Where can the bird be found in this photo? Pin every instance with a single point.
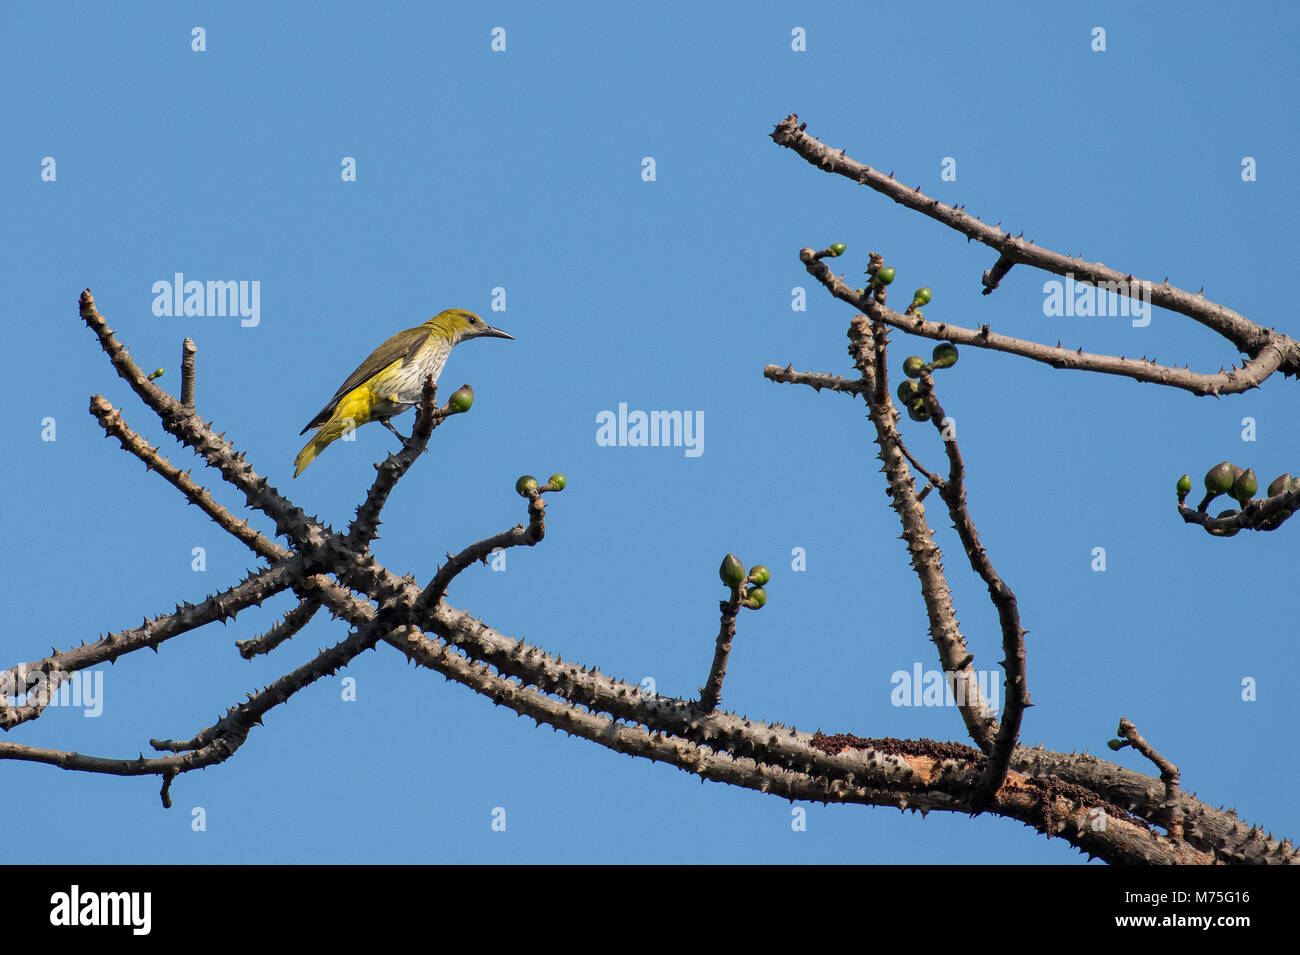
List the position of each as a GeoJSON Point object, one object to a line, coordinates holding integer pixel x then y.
{"type": "Point", "coordinates": [391, 379]}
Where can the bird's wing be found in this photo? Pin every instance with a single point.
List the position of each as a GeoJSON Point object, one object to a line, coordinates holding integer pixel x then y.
{"type": "Point", "coordinates": [397, 348]}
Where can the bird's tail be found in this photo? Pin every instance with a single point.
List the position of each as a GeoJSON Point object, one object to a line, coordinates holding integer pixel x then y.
{"type": "Point", "coordinates": [331, 431]}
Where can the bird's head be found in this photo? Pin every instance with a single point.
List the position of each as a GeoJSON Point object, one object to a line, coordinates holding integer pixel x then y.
{"type": "Point", "coordinates": [458, 325]}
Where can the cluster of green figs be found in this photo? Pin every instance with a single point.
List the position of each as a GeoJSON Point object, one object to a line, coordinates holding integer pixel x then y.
{"type": "Point", "coordinates": [1240, 484]}
{"type": "Point", "coordinates": [945, 353]}
{"type": "Point", "coordinates": [732, 573]}
{"type": "Point", "coordinates": [914, 366]}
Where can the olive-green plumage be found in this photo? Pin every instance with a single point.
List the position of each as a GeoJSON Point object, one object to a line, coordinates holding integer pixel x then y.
{"type": "Point", "coordinates": [391, 379]}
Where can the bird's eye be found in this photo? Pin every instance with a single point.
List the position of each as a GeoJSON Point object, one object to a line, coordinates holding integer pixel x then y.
{"type": "Point", "coordinates": [473, 320]}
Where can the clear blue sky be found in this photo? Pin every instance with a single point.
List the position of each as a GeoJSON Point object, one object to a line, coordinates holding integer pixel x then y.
{"type": "Point", "coordinates": [523, 170]}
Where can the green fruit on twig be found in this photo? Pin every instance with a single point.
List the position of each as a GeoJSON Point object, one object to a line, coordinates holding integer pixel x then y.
{"type": "Point", "coordinates": [1245, 486]}
{"type": "Point", "coordinates": [914, 366]}
{"type": "Point", "coordinates": [756, 598]}
{"type": "Point", "coordinates": [945, 355]}
{"type": "Point", "coordinates": [1218, 480]}
{"type": "Point", "coordinates": [921, 296]}
{"type": "Point", "coordinates": [157, 373]}
{"type": "Point", "coordinates": [1184, 486]}
{"type": "Point", "coordinates": [524, 483]}
{"type": "Point", "coordinates": [883, 276]}
{"type": "Point", "coordinates": [837, 249]}
{"type": "Point", "coordinates": [1116, 744]}
{"type": "Point", "coordinates": [558, 482]}
{"type": "Point", "coordinates": [916, 410]}
{"type": "Point", "coordinates": [760, 575]}
{"type": "Point", "coordinates": [461, 400]}
{"type": "Point", "coordinates": [908, 391]}
{"type": "Point", "coordinates": [732, 571]}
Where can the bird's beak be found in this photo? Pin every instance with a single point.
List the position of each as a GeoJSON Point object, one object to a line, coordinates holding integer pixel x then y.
{"type": "Point", "coordinates": [490, 332]}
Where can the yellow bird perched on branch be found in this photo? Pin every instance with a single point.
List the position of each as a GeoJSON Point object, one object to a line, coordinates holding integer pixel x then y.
{"type": "Point", "coordinates": [391, 379]}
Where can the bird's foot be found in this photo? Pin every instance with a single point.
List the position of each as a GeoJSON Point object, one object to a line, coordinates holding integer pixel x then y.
{"type": "Point", "coordinates": [406, 442]}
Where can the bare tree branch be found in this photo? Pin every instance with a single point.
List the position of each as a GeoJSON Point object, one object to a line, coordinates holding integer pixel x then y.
{"type": "Point", "coordinates": [1169, 775]}
{"type": "Point", "coordinates": [711, 692]}
{"type": "Point", "coordinates": [187, 372]}
{"type": "Point", "coordinates": [1093, 805]}
{"type": "Point", "coordinates": [866, 349]}
{"type": "Point", "coordinates": [1269, 350]}
{"type": "Point", "coordinates": [1236, 380]}
{"type": "Point", "coordinates": [953, 492]}
{"type": "Point", "coordinates": [814, 380]}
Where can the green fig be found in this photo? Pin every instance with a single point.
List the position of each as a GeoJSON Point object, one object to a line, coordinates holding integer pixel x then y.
{"type": "Point", "coordinates": [756, 598]}
{"type": "Point", "coordinates": [921, 296]}
{"type": "Point", "coordinates": [1184, 486]}
{"type": "Point", "coordinates": [945, 355]}
{"type": "Point", "coordinates": [837, 249]}
{"type": "Point", "coordinates": [558, 482]}
{"type": "Point", "coordinates": [914, 366]}
{"type": "Point", "coordinates": [916, 410]}
{"type": "Point", "coordinates": [883, 276]}
{"type": "Point", "coordinates": [908, 391]}
{"type": "Point", "coordinates": [1245, 486]}
{"type": "Point", "coordinates": [732, 571]}
{"type": "Point", "coordinates": [1218, 480]}
{"type": "Point", "coordinates": [461, 400]}
{"type": "Point", "coordinates": [760, 575]}
{"type": "Point", "coordinates": [524, 483]}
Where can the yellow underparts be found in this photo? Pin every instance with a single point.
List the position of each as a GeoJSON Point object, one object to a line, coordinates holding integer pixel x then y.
{"type": "Point", "coordinates": [359, 406]}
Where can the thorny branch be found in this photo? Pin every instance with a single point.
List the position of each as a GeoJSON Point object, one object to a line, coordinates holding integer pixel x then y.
{"type": "Point", "coordinates": [1268, 351]}
{"type": "Point", "coordinates": [336, 571]}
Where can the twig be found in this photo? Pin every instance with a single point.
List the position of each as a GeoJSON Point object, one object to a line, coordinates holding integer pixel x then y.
{"type": "Point", "coordinates": [517, 536]}
{"type": "Point", "coordinates": [428, 416]}
{"type": "Point", "coordinates": [184, 424]}
{"type": "Point", "coordinates": [995, 275]}
{"type": "Point", "coordinates": [187, 373]}
{"type": "Point", "coordinates": [953, 492]}
{"type": "Point", "coordinates": [1247, 336]}
{"type": "Point", "coordinates": [711, 692]}
{"type": "Point", "coordinates": [1169, 775]}
{"type": "Point", "coordinates": [815, 380]}
{"type": "Point", "coordinates": [926, 559]}
{"type": "Point", "coordinates": [1262, 513]}
{"type": "Point", "coordinates": [1254, 371]}
{"type": "Point", "coordinates": [286, 627]}
{"type": "Point", "coordinates": [110, 419]}
{"type": "Point", "coordinates": [54, 669]}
